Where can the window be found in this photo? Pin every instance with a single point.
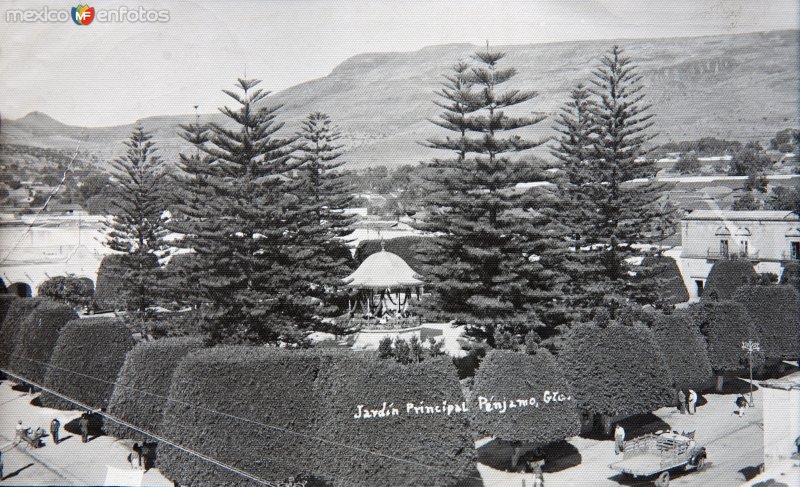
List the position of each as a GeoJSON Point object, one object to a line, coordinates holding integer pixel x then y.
{"type": "Point", "coordinates": [795, 250]}
{"type": "Point", "coordinates": [743, 251]}
{"type": "Point", "coordinates": [699, 284]}
{"type": "Point", "coordinates": [723, 248]}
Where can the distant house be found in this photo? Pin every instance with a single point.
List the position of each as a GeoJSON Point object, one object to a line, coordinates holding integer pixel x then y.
{"type": "Point", "coordinates": [768, 239]}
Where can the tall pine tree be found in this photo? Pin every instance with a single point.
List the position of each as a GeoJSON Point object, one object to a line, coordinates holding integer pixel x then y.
{"type": "Point", "coordinates": [613, 200]}
{"type": "Point", "coordinates": [238, 226]}
{"type": "Point", "coordinates": [483, 267]}
{"type": "Point", "coordinates": [317, 219]}
{"type": "Point", "coordinates": [137, 226]}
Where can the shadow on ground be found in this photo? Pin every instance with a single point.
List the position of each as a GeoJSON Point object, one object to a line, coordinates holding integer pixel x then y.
{"type": "Point", "coordinates": [625, 479]}
{"type": "Point", "coordinates": [95, 426]}
{"type": "Point", "coordinates": [16, 472]}
{"type": "Point", "coordinates": [750, 472]}
{"type": "Point", "coordinates": [557, 456]}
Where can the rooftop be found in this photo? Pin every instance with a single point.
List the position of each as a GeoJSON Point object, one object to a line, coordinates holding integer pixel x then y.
{"type": "Point", "coordinates": [730, 215]}
{"type": "Point", "coordinates": [383, 270]}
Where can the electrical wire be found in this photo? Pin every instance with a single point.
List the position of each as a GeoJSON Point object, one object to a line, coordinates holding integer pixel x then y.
{"type": "Point", "coordinates": [228, 415]}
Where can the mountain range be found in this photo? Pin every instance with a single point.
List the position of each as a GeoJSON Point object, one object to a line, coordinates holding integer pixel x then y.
{"type": "Point", "coordinates": [743, 87]}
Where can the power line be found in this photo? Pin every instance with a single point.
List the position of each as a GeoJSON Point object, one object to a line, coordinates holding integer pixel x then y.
{"type": "Point", "coordinates": [140, 430]}
{"type": "Point", "coordinates": [220, 413]}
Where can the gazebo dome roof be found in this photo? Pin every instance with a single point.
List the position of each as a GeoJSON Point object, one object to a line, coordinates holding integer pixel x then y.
{"type": "Point", "coordinates": [383, 270]}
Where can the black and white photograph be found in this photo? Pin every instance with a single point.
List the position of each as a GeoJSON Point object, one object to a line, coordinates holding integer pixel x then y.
{"type": "Point", "coordinates": [364, 243]}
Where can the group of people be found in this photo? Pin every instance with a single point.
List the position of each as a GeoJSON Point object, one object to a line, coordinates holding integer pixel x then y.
{"type": "Point", "coordinates": [687, 403]}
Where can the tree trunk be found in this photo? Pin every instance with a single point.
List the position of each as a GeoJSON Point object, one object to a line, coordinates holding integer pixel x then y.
{"type": "Point", "coordinates": [720, 381]}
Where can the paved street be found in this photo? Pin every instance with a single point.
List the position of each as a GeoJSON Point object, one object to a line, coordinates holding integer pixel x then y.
{"type": "Point", "coordinates": [101, 461]}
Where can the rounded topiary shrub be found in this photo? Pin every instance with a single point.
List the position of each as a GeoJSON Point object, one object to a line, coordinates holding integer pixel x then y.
{"type": "Point", "coordinates": [666, 275]}
{"type": "Point", "coordinates": [726, 324]}
{"type": "Point", "coordinates": [416, 437]}
{"type": "Point", "coordinates": [249, 407]}
{"type": "Point", "coordinates": [85, 362]}
{"type": "Point", "coordinates": [516, 377]}
{"type": "Point", "coordinates": [16, 311]}
{"type": "Point", "coordinates": [36, 337]}
{"type": "Point", "coordinates": [616, 370]}
{"type": "Point", "coordinates": [684, 350]}
{"type": "Point", "coordinates": [725, 277]}
{"type": "Point", "coordinates": [791, 274]}
{"type": "Point", "coordinates": [775, 313]}
{"type": "Point", "coordinates": [117, 285]}
{"type": "Point", "coordinates": [75, 291]}
{"type": "Point", "coordinates": [139, 396]}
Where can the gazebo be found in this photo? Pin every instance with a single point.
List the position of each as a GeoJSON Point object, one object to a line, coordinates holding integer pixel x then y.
{"type": "Point", "coordinates": [385, 283]}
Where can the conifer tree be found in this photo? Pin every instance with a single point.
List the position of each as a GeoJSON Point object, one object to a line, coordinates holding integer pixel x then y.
{"type": "Point", "coordinates": [613, 202]}
{"type": "Point", "coordinates": [317, 218]}
{"type": "Point", "coordinates": [484, 268]}
{"type": "Point", "coordinates": [237, 225]}
{"type": "Point", "coordinates": [137, 227]}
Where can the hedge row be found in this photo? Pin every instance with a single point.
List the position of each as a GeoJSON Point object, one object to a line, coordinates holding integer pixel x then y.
{"type": "Point", "coordinates": [684, 350]}
{"type": "Point", "coordinates": [143, 383]}
{"type": "Point", "coordinates": [278, 414]}
{"type": "Point", "coordinates": [220, 400]}
{"type": "Point", "coordinates": [85, 362]}
{"type": "Point", "coordinates": [775, 312]}
{"type": "Point", "coordinates": [15, 311]}
{"type": "Point", "coordinates": [726, 277]}
{"type": "Point", "coordinates": [616, 370]}
{"type": "Point", "coordinates": [406, 449]}
{"type": "Point", "coordinates": [512, 376]}
{"type": "Point", "coordinates": [665, 271]}
{"type": "Point", "coordinates": [114, 282]}
{"type": "Point", "coordinates": [725, 324]}
{"type": "Point", "coordinates": [36, 338]}
{"type": "Point", "coordinates": [791, 274]}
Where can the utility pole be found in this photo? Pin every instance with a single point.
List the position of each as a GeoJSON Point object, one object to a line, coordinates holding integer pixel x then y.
{"type": "Point", "coordinates": [750, 346]}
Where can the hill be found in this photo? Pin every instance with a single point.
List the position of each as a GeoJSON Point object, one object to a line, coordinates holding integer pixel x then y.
{"type": "Point", "coordinates": [742, 87]}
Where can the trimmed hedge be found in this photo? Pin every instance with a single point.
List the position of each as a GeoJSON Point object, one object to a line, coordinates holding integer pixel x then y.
{"type": "Point", "coordinates": [791, 274]}
{"type": "Point", "coordinates": [143, 384]}
{"type": "Point", "coordinates": [726, 277]}
{"type": "Point", "coordinates": [407, 248]}
{"type": "Point", "coordinates": [256, 386]}
{"type": "Point", "coordinates": [15, 311]}
{"type": "Point", "coordinates": [616, 370]}
{"type": "Point", "coordinates": [36, 338]}
{"type": "Point", "coordinates": [406, 449]}
{"type": "Point", "coordinates": [775, 312]}
{"type": "Point", "coordinates": [85, 362]}
{"type": "Point", "coordinates": [725, 324]}
{"type": "Point", "coordinates": [75, 291]}
{"type": "Point", "coordinates": [666, 273]}
{"type": "Point", "coordinates": [684, 350]}
{"type": "Point", "coordinates": [114, 289]}
{"type": "Point", "coordinates": [514, 375]}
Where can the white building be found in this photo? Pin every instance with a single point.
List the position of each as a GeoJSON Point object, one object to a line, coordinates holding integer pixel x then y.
{"type": "Point", "coordinates": [767, 238]}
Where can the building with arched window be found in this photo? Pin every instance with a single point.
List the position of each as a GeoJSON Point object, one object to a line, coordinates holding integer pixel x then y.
{"type": "Point", "coordinates": [768, 239]}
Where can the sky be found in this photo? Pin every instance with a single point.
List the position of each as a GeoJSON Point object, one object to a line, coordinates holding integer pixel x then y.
{"type": "Point", "coordinates": [109, 73]}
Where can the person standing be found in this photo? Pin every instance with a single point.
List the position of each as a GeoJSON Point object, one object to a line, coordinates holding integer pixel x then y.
{"type": "Point", "coordinates": [84, 427]}
{"type": "Point", "coordinates": [692, 401]}
{"type": "Point", "coordinates": [137, 450]}
{"type": "Point", "coordinates": [19, 429]}
{"type": "Point", "coordinates": [741, 402]}
{"type": "Point", "coordinates": [619, 440]}
{"type": "Point", "coordinates": [1, 465]}
{"type": "Point", "coordinates": [682, 401]}
{"type": "Point", "coordinates": [55, 425]}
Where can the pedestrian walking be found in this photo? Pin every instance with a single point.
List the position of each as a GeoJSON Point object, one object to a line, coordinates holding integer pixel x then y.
{"type": "Point", "coordinates": [19, 429]}
{"type": "Point", "coordinates": [682, 401]}
{"type": "Point", "coordinates": [84, 428]}
{"type": "Point", "coordinates": [137, 450]}
{"type": "Point", "coordinates": [692, 401]}
{"type": "Point", "coordinates": [619, 440]}
{"type": "Point", "coordinates": [55, 425]}
{"type": "Point", "coordinates": [130, 458]}
{"type": "Point", "coordinates": [538, 475]}
{"type": "Point", "coordinates": [741, 403]}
